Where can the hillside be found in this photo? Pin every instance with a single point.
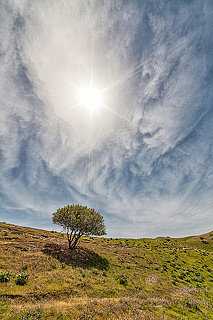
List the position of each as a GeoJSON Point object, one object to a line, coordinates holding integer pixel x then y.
{"type": "Point", "coordinates": [162, 278]}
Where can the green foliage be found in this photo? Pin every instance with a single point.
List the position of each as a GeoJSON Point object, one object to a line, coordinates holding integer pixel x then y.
{"type": "Point", "coordinates": [123, 279]}
{"type": "Point", "coordinates": [77, 221]}
{"type": "Point", "coordinates": [75, 290]}
{"type": "Point", "coordinates": [25, 266]}
{"type": "Point", "coordinates": [94, 271]}
{"type": "Point", "coordinates": [22, 278]}
{"type": "Point", "coordinates": [5, 276]}
{"type": "Point", "coordinates": [53, 265]}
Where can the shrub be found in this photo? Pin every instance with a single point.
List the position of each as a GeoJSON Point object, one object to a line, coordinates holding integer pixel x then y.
{"type": "Point", "coordinates": [22, 278]}
{"type": "Point", "coordinates": [182, 275]}
{"type": "Point", "coordinates": [53, 265]}
{"type": "Point", "coordinates": [205, 241]}
{"type": "Point", "coordinates": [95, 271]}
{"type": "Point", "coordinates": [5, 276]}
{"type": "Point", "coordinates": [25, 266]}
{"type": "Point", "coordinates": [200, 279]}
{"type": "Point", "coordinates": [164, 266]}
{"type": "Point", "coordinates": [123, 279]}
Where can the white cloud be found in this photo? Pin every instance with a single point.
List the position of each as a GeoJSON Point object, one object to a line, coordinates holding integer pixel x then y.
{"type": "Point", "coordinates": [148, 164]}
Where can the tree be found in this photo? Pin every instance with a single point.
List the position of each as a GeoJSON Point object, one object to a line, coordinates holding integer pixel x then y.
{"type": "Point", "coordinates": [77, 221]}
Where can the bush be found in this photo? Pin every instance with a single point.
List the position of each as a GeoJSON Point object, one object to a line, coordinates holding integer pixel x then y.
{"type": "Point", "coordinates": [25, 266]}
{"type": "Point", "coordinates": [182, 276]}
{"type": "Point", "coordinates": [22, 278]}
{"type": "Point", "coordinates": [94, 271]}
{"type": "Point", "coordinates": [123, 279]}
{"type": "Point", "coordinates": [53, 265]}
{"type": "Point", "coordinates": [205, 241]}
{"type": "Point", "coordinates": [164, 266]}
{"type": "Point", "coordinates": [5, 276]}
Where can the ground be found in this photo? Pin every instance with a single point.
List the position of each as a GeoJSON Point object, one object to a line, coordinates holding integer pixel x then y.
{"type": "Point", "coordinates": [160, 278]}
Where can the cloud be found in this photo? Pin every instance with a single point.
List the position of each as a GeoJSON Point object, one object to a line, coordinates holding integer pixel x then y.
{"type": "Point", "coordinates": [144, 161]}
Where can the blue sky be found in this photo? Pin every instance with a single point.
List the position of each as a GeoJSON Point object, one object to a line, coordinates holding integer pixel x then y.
{"type": "Point", "coordinates": [144, 157]}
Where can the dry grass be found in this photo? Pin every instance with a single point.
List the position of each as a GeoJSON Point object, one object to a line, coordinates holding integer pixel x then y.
{"type": "Point", "coordinates": [159, 278]}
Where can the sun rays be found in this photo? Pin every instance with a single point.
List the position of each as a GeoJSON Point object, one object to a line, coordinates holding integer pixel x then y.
{"type": "Point", "coordinates": [92, 99]}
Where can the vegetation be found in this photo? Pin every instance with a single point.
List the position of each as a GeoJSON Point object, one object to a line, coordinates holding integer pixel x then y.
{"type": "Point", "coordinates": [77, 221]}
{"type": "Point", "coordinates": [102, 278]}
{"type": "Point", "coordinates": [22, 278]}
{"type": "Point", "coordinates": [5, 276]}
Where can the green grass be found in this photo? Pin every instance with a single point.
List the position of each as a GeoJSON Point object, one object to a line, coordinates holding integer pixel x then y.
{"type": "Point", "coordinates": [160, 278]}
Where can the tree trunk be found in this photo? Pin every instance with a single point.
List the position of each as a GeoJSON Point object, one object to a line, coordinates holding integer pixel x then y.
{"type": "Point", "coordinates": [75, 241]}
{"type": "Point", "coordinates": [69, 240]}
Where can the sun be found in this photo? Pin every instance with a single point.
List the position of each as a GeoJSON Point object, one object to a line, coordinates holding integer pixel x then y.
{"type": "Point", "coordinates": [90, 97]}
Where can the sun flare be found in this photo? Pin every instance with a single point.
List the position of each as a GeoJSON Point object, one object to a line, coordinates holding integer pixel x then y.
{"type": "Point", "coordinates": [90, 97]}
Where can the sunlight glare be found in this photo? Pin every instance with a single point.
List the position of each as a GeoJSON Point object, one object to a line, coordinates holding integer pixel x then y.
{"type": "Point", "coordinates": [90, 97]}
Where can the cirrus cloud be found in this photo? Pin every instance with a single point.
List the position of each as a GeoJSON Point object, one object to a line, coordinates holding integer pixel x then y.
{"type": "Point", "coordinates": [144, 159]}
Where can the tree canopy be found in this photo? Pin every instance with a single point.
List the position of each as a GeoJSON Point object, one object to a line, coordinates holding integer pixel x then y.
{"type": "Point", "coordinates": [77, 221]}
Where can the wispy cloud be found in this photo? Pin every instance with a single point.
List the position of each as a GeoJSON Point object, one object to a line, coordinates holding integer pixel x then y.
{"type": "Point", "coordinates": [144, 159]}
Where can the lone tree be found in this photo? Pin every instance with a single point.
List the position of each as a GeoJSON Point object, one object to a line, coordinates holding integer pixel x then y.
{"type": "Point", "coordinates": [77, 221]}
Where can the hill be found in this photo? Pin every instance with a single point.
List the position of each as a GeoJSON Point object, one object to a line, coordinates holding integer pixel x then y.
{"type": "Point", "coordinates": [162, 278]}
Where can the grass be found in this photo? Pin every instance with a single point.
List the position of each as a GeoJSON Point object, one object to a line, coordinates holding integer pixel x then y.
{"type": "Point", "coordinates": [160, 278]}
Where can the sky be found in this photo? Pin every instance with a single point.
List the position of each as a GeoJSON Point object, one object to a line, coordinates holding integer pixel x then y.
{"type": "Point", "coordinates": [143, 158]}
